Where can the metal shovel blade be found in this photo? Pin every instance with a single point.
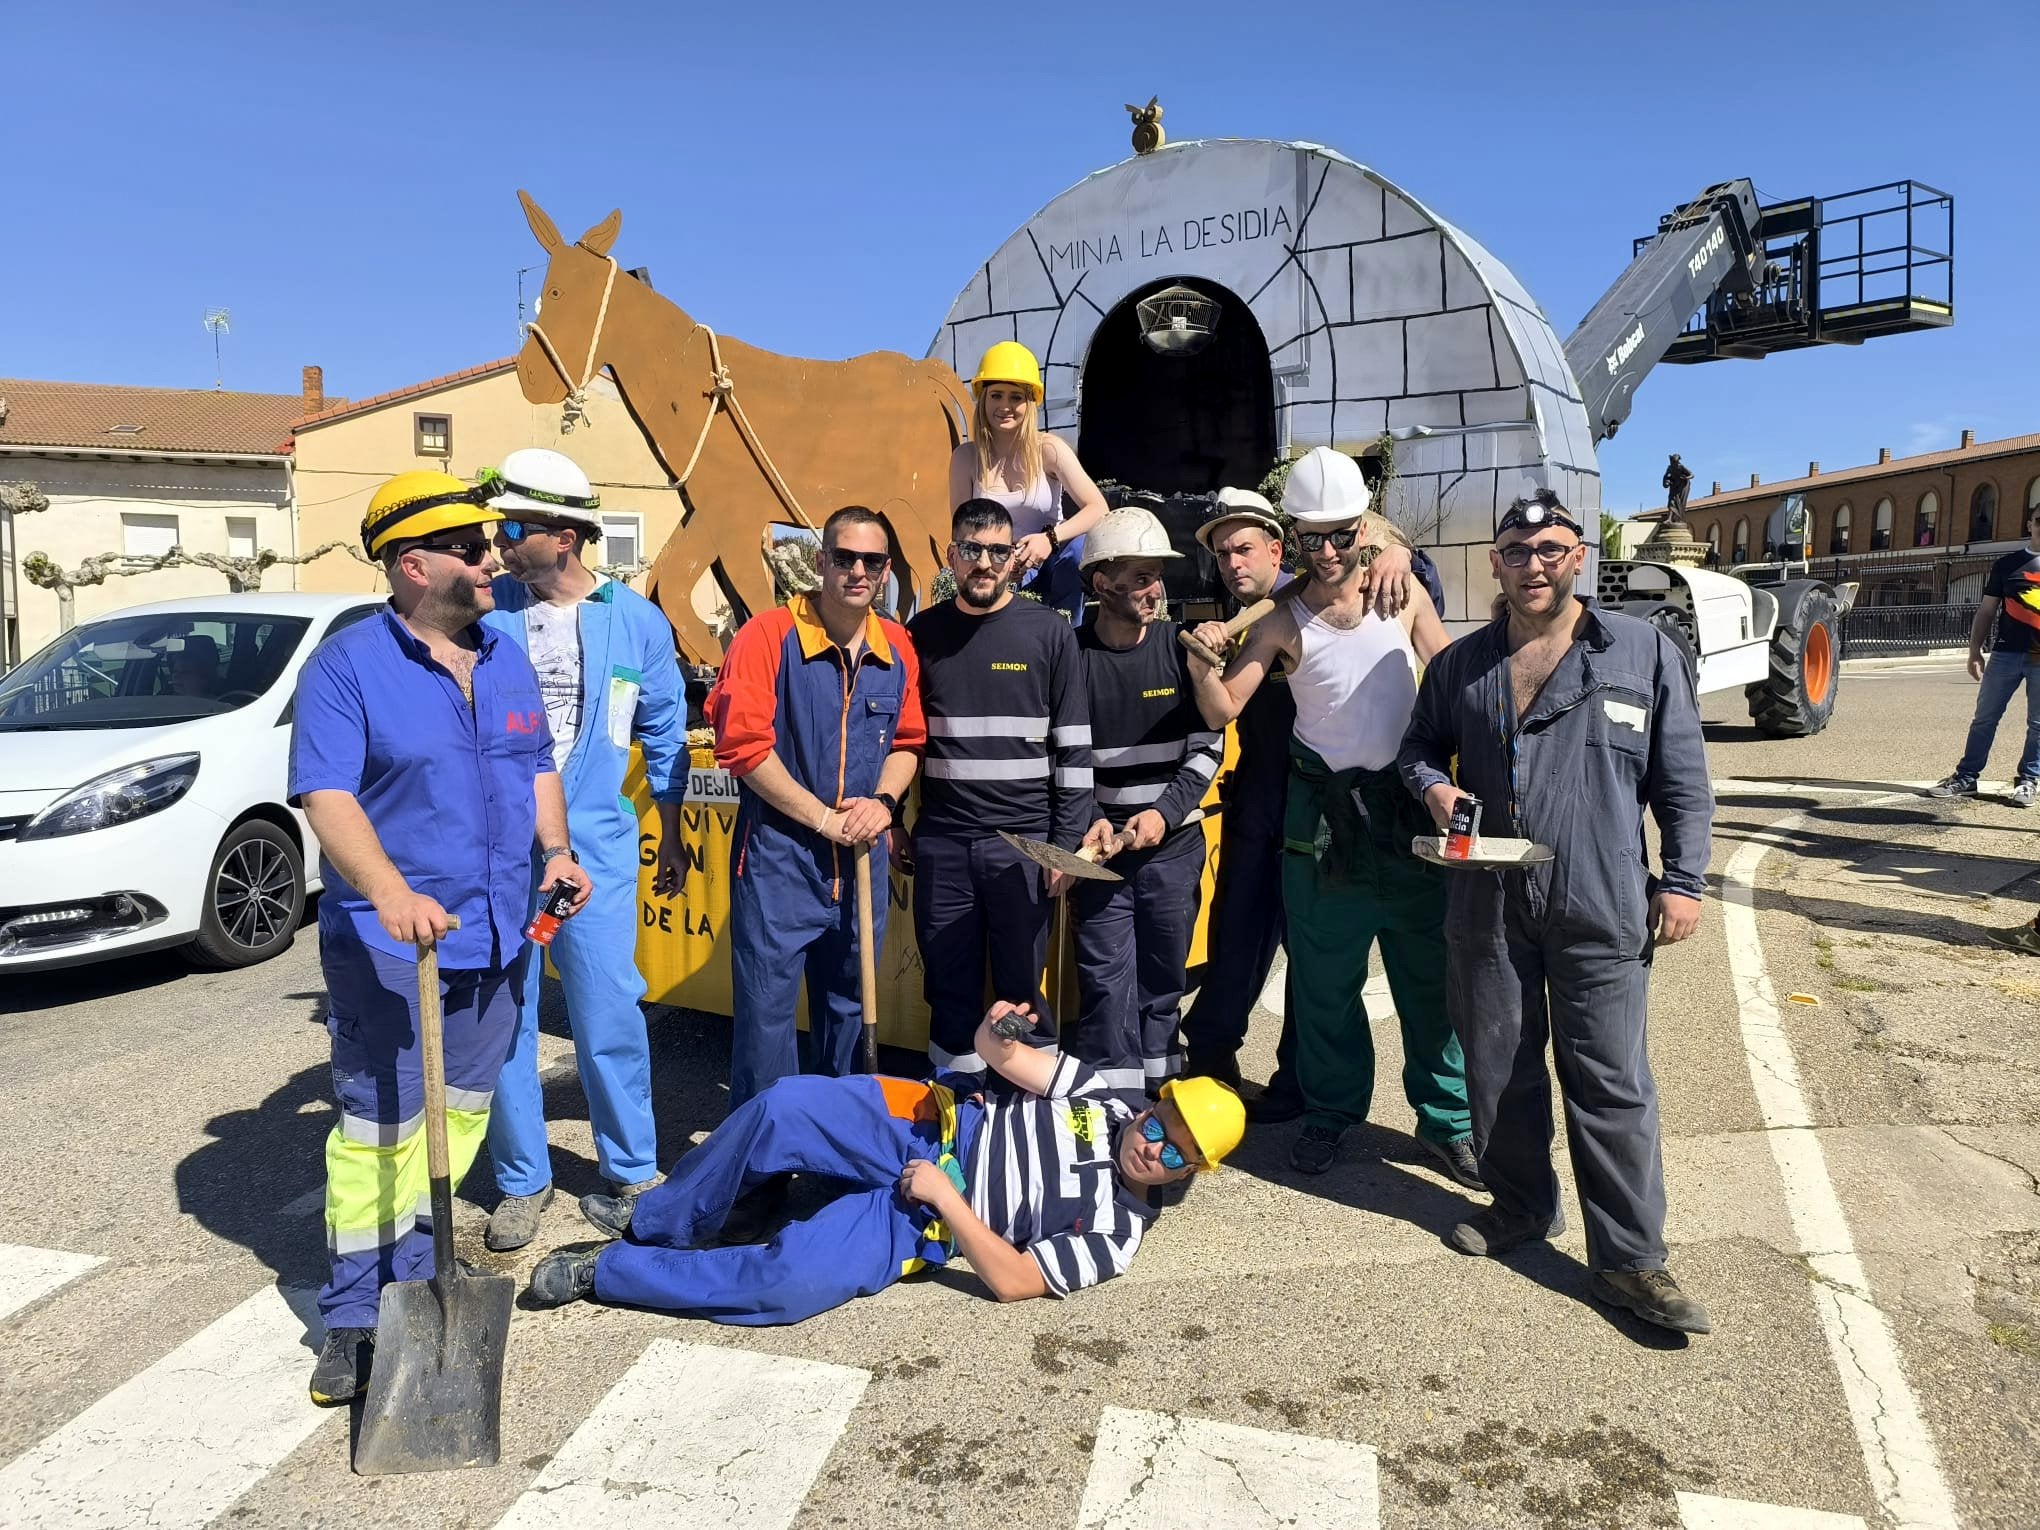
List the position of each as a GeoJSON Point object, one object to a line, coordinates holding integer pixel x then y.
{"type": "Point", "coordinates": [435, 1397]}
{"type": "Point", "coordinates": [1051, 858]}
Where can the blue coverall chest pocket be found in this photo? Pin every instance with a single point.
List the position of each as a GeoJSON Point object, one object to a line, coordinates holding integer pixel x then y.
{"type": "Point", "coordinates": [1619, 718]}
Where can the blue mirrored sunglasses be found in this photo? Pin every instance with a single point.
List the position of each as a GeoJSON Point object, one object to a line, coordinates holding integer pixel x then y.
{"type": "Point", "coordinates": [1154, 1131]}
{"type": "Point", "coordinates": [514, 532]}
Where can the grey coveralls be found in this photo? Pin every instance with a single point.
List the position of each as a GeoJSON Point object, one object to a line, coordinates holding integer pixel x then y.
{"type": "Point", "coordinates": [1562, 948]}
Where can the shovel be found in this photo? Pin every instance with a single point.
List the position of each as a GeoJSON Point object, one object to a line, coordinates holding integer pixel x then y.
{"type": "Point", "coordinates": [435, 1397]}
{"type": "Point", "coordinates": [867, 960]}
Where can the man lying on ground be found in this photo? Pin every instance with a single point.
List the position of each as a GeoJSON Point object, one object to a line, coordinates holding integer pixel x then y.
{"type": "Point", "coordinates": [1042, 1187]}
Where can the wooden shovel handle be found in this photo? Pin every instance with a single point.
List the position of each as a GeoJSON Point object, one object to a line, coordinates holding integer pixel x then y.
{"type": "Point", "coordinates": [432, 1062]}
{"type": "Point", "coordinates": [867, 960]}
{"type": "Point", "coordinates": [1233, 629]}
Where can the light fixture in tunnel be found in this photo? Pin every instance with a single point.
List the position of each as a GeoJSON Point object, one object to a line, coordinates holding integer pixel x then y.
{"type": "Point", "coordinates": [1177, 321]}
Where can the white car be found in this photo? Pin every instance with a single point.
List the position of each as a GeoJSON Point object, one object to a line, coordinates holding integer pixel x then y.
{"type": "Point", "coordinates": [143, 759]}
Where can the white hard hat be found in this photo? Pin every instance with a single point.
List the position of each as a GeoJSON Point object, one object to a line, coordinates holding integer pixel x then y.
{"type": "Point", "coordinates": [545, 483]}
{"type": "Point", "coordinates": [1235, 506]}
{"type": "Point", "coordinates": [1325, 488]}
{"type": "Point", "coordinates": [1129, 533]}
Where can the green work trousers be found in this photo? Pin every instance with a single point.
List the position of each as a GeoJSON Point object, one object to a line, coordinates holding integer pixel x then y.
{"type": "Point", "coordinates": [1348, 880]}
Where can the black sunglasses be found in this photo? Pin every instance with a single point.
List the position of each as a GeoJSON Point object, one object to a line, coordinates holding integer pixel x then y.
{"type": "Point", "coordinates": [999, 552]}
{"type": "Point", "coordinates": [1314, 541]}
{"type": "Point", "coordinates": [470, 553]}
{"type": "Point", "coordinates": [845, 561]}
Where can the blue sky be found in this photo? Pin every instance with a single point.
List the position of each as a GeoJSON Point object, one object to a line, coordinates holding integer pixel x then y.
{"type": "Point", "coordinates": [818, 181]}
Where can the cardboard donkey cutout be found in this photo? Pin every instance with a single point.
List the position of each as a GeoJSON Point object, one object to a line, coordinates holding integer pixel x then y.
{"type": "Point", "coordinates": [751, 438]}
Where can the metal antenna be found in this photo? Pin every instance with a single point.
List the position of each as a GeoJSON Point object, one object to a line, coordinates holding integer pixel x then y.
{"type": "Point", "coordinates": [522, 272]}
{"type": "Point", "coordinates": [216, 320]}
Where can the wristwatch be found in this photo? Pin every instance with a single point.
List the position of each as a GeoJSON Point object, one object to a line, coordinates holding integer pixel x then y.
{"type": "Point", "coordinates": [556, 851]}
{"type": "Point", "coordinates": [892, 803]}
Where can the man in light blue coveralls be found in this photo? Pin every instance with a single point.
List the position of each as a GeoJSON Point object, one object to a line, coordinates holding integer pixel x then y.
{"type": "Point", "coordinates": [606, 669]}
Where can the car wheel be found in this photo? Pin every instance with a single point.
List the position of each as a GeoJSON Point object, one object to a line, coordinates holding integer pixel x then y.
{"type": "Point", "coordinates": [254, 898]}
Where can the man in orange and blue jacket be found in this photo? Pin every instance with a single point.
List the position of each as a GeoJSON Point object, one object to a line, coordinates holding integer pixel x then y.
{"type": "Point", "coordinates": [817, 712]}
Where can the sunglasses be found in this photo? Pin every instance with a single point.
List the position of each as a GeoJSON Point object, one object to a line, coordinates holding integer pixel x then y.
{"type": "Point", "coordinates": [514, 532]}
{"type": "Point", "coordinates": [1000, 553]}
{"type": "Point", "coordinates": [843, 561]}
{"type": "Point", "coordinates": [470, 553]}
{"type": "Point", "coordinates": [1314, 541]}
{"type": "Point", "coordinates": [1550, 554]}
{"type": "Point", "coordinates": [1172, 1156]}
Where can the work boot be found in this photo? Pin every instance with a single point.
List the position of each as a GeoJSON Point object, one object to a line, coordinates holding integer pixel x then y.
{"type": "Point", "coordinates": [1281, 1101]}
{"type": "Point", "coordinates": [514, 1222]}
{"type": "Point", "coordinates": [1653, 1296]}
{"type": "Point", "coordinates": [2020, 937]}
{"type": "Point", "coordinates": [1222, 1066]}
{"type": "Point", "coordinates": [1955, 785]}
{"type": "Point", "coordinates": [1458, 1159]}
{"type": "Point", "coordinates": [1491, 1232]}
{"type": "Point", "coordinates": [2024, 791]}
{"type": "Point", "coordinates": [566, 1276]}
{"type": "Point", "coordinates": [610, 1213]}
{"type": "Point", "coordinates": [343, 1365]}
{"type": "Point", "coordinates": [754, 1218]}
{"type": "Point", "coordinates": [1316, 1148]}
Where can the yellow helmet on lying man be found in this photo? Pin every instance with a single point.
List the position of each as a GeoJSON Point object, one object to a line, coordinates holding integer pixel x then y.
{"type": "Point", "coordinates": [1213, 1113]}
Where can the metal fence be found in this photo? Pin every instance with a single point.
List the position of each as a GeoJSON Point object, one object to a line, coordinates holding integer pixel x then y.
{"type": "Point", "coordinates": [1871, 631]}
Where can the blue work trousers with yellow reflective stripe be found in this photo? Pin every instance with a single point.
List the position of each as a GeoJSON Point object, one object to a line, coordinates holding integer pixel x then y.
{"type": "Point", "coordinates": [862, 1129]}
{"type": "Point", "coordinates": [378, 1198]}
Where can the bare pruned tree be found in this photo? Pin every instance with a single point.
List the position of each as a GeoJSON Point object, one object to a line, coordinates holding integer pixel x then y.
{"type": "Point", "coordinates": [243, 574]}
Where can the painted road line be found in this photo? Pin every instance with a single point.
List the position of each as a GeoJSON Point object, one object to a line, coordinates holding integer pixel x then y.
{"type": "Point", "coordinates": [696, 1437]}
{"type": "Point", "coordinates": [1697, 1511]}
{"type": "Point", "coordinates": [1154, 1471]}
{"type": "Point", "coordinates": [1898, 1451]}
{"type": "Point", "coordinates": [1736, 786]}
{"type": "Point", "coordinates": [175, 1445]}
{"type": "Point", "coordinates": [29, 1274]}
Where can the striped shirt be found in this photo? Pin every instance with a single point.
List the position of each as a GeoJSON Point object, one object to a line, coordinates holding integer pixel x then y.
{"type": "Point", "coordinates": [1042, 1177]}
{"type": "Point", "coordinates": [1009, 729]}
{"type": "Point", "coordinates": [1149, 746]}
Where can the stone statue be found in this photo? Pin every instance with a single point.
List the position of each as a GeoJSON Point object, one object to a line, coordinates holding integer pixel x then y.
{"type": "Point", "coordinates": [1678, 479]}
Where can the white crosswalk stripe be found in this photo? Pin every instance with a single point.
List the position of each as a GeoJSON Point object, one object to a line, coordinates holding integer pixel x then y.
{"type": "Point", "coordinates": [696, 1437]}
{"type": "Point", "coordinates": [1697, 1511]}
{"type": "Point", "coordinates": [175, 1445]}
{"type": "Point", "coordinates": [1155, 1471]}
{"type": "Point", "coordinates": [27, 1275]}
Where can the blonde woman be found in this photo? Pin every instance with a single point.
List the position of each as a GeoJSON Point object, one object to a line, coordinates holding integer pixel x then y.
{"type": "Point", "coordinates": [1009, 458]}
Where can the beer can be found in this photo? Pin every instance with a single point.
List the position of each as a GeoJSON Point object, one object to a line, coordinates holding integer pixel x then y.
{"type": "Point", "coordinates": [1462, 829]}
{"type": "Point", "coordinates": [545, 924]}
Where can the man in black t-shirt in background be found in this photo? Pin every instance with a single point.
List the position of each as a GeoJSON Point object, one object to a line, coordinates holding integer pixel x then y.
{"type": "Point", "coordinates": [2011, 600]}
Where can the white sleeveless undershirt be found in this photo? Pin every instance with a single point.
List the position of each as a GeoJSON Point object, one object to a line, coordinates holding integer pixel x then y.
{"type": "Point", "coordinates": [1354, 690]}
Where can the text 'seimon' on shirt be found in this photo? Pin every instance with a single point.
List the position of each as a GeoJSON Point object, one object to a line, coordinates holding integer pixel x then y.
{"type": "Point", "coordinates": [1042, 1178]}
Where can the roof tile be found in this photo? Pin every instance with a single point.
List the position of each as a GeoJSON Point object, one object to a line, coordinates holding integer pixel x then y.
{"type": "Point", "coordinates": [72, 415]}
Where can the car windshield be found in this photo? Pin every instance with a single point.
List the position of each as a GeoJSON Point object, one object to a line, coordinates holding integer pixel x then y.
{"type": "Point", "coordinates": [144, 671]}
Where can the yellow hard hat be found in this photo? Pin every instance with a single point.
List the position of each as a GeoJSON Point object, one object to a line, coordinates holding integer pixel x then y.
{"type": "Point", "coordinates": [420, 503]}
{"type": "Point", "coordinates": [1214, 1114]}
{"type": "Point", "coordinates": [1009, 362]}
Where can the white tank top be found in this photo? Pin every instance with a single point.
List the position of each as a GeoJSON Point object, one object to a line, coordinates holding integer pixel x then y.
{"type": "Point", "coordinates": [1354, 690]}
{"type": "Point", "coordinates": [1034, 508]}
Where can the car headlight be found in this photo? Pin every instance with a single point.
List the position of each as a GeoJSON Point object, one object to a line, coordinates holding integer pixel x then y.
{"type": "Point", "coordinates": [119, 796]}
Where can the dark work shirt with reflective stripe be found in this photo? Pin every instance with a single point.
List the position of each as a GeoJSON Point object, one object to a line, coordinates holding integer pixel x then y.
{"type": "Point", "coordinates": [1150, 748]}
{"type": "Point", "coordinates": [1042, 1177]}
{"type": "Point", "coordinates": [447, 787]}
{"type": "Point", "coordinates": [1009, 727]}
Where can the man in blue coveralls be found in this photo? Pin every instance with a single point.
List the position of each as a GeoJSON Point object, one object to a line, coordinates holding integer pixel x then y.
{"type": "Point", "coordinates": [1043, 1187]}
{"type": "Point", "coordinates": [420, 753]}
{"type": "Point", "coordinates": [606, 671]}
{"type": "Point", "coordinates": [1566, 721]}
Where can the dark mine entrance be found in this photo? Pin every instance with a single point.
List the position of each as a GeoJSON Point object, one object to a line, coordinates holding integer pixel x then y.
{"type": "Point", "coordinates": [1179, 424]}
{"type": "Point", "coordinates": [1170, 430]}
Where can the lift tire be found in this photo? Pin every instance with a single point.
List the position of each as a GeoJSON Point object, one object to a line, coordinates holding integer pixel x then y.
{"type": "Point", "coordinates": [1799, 697]}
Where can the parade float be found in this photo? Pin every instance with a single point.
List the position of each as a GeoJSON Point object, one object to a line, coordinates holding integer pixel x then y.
{"type": "Point", "coordinates": [1204, 312]}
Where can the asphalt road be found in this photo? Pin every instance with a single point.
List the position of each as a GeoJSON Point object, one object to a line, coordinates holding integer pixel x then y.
{"type": "Point", "coordinates": [1852, 1186]}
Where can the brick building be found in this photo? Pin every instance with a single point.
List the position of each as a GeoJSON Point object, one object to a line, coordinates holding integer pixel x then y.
{"type": "Point", "coordinates": [1972, 499]}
